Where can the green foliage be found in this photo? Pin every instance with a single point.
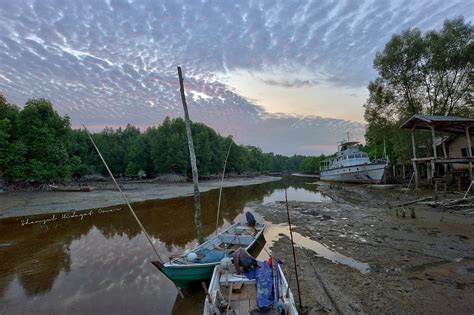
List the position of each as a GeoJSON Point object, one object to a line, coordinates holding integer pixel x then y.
{"type": "Point", "coordinates": [310, 165]}
{"type": "Point", "coordinates": [38, 145]}
{"type": "Point", "coordinates": [419, 73]}
{"type": "Point", "coordinates": [37, 151]}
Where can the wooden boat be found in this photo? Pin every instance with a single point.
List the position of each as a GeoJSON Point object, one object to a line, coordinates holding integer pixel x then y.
{"type": "Point", "coordinates": [242, 294]}
{"type": "Point", "coordinates": [183, 272]}
{"type": "Point", "coordinates": [70, 188]}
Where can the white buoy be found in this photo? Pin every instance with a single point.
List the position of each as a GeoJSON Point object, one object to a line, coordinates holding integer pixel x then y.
{"type": "Point", "coordinates": [226, 264]}
{"type": "Point", "coordinates": [191, 257]}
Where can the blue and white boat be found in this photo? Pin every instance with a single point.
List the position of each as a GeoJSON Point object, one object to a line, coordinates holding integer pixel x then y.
{"type": "Point", "coordinates": [352, 165]}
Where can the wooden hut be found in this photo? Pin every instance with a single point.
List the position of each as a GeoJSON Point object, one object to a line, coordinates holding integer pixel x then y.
{"type": "Point", "coordinates": [460, 151]}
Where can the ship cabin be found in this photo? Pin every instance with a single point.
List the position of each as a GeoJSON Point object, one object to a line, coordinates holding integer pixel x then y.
{"type": "Point", "coordinates": [348, 155]}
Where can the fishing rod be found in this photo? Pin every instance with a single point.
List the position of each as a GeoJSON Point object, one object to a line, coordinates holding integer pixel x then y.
{"type": "Point", "coordinates": [128, 203]}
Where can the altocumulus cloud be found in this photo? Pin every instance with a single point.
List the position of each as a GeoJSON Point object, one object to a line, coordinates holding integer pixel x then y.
{"type": "Point", "coordinates": [113, 62]}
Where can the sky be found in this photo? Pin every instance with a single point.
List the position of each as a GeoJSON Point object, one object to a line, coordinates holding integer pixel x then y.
{"type": "Point", "coordinates": [288, 76]}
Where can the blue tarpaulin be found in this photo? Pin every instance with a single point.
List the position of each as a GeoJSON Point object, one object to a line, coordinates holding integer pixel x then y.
{"type": "Point", "coordinates": [263, 275]}
{"type": "Point", "coordinates": [210, 256]}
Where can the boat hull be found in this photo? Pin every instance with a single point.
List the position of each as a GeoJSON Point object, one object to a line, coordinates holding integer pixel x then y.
{"type": "Point", "coordinates": [242, 301]}
{"type": "Point", "coordinates": [184, 275]}
{"type": "Point", "coordinates": [364, 173]}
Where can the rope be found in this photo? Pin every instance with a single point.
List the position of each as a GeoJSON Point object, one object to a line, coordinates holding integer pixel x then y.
{"type": "Point", "coordinates": [123, 195]}
{"type": "Point", "coordinates": [222, 183]}
{"type": "Point", "coordinates": [128, 203]}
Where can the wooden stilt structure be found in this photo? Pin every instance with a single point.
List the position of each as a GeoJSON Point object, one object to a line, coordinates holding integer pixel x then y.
{"type": "Point", "coordinates": [452, 160]}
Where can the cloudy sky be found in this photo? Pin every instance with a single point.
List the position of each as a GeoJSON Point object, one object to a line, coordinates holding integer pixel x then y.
{"type": "Point", "coordinates": [288, 76]}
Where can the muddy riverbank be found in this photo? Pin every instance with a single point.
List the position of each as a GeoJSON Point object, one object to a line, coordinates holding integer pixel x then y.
{"type": "Point", "coordinates": [105, 195]}
{"type": "Point", "coordinates": [357, 256]}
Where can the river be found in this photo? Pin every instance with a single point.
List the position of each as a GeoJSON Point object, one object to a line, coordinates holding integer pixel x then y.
{"type": "Point", "coordinates": [97, 261]}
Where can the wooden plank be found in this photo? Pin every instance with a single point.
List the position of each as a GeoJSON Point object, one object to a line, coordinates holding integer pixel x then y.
{"type": "Point", "coordinates": [234, 305]}
{"type": "Point", "coordinates": [244, 307]}
{"type": "Point", "coordinates": [252, 303]}
{"type": "Point", "coordinates": [237, 288]}
{"type": "Point", "coordinates": [252, 292]}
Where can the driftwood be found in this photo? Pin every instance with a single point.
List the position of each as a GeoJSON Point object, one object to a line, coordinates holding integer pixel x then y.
{"type": "Point", "coordinates": [457, 202]}
{"type": "Point", "coordinates": [411, 202]}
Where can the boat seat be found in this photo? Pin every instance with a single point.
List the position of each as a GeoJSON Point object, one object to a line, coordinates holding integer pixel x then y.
{"type": "Point", "coordinates": [236, 239]}
{"type": "Point", "coordinates": [235, 278]}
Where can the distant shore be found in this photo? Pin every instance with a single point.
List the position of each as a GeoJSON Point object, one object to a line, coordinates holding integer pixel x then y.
{"type": "Point", "coordinates": [22, 203]}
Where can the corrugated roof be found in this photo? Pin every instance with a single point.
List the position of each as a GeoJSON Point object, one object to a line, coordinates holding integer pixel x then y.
{"type": "Point", "coordinates": [453, 124]}
{"type": "Point", "coordinates": [441, 118]}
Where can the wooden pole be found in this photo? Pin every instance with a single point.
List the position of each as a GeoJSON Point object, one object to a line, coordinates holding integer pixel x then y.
{"type": "Point", "coordinates": [415, 171]}
{"type": "Point", "coordinates": [192, 156]}
{"type": "Point", "coordinates": [445, 154]}
{"type": "Point", "coordinates": [293, 247]}
{"type": "Point", "coordinates": [435, 154]}
{"type": "Point", "coordinates": [469, 151]}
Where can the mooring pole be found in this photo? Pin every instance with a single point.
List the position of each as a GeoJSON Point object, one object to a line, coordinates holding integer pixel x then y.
{"type": "Point", "coordinates": [293, 247]}
{"type": "Point", "coordinates": [192, 156]}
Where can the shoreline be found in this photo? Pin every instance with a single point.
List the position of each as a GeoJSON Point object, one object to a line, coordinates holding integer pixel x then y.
{"type": "Point", "coordinates": [29, 203]}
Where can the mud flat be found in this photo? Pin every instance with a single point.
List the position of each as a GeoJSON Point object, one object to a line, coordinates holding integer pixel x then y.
{"type": "Point", "coordinates": [355, 255]}
{"type": "Point", "coordinates": [105, 194]}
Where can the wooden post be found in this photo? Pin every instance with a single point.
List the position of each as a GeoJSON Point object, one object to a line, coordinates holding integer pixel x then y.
{"type": "Point", "coordinates": [414, 157]}
{"type": "Point", "coordinates": [428, 172]}
{"type": "Point", "coordinates": [192, 156]}
{"type": "Point", "coordinates": [403, 170]}
{"type": "Point", "coordinates": [445, 154]}
{"type": "Point", "coordinates": [435, 154]}
{"type": "Point", "coordinates": [469, 151]}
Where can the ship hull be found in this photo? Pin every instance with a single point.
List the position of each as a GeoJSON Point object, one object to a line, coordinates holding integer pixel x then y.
{"type": "Point", "coordinates": [364, 173]}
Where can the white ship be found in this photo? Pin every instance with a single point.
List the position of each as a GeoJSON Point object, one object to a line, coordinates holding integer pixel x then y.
{"type": "Point", "coordinates": [351, 165]}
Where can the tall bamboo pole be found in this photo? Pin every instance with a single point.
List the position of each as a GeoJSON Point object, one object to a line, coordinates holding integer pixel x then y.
{"type": "Point", "coordinates": [192, 156]}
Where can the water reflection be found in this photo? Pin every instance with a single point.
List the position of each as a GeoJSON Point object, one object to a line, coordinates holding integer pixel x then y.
{"type": "Point", "coordinates": [100, 262]}
{"type": "Point", "coordinates": [276, 231]}
{"type": "Point", "coordinates": [307, 194]}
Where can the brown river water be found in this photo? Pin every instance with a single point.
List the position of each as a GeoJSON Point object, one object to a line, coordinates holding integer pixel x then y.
{"type": "Point", "coordinates": [97, 261]}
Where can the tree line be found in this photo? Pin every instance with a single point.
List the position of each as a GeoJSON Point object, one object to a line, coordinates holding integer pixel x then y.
{"type": "Point", "coordinates": [427, 73]}
{"type": "Point", "coordinates": [38, 145]}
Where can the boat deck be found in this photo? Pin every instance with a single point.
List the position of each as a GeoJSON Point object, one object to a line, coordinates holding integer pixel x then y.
{"type": "Point", "coordinates": [242, 300]}
{"type": "Point", "coordinates": [231, 239]}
